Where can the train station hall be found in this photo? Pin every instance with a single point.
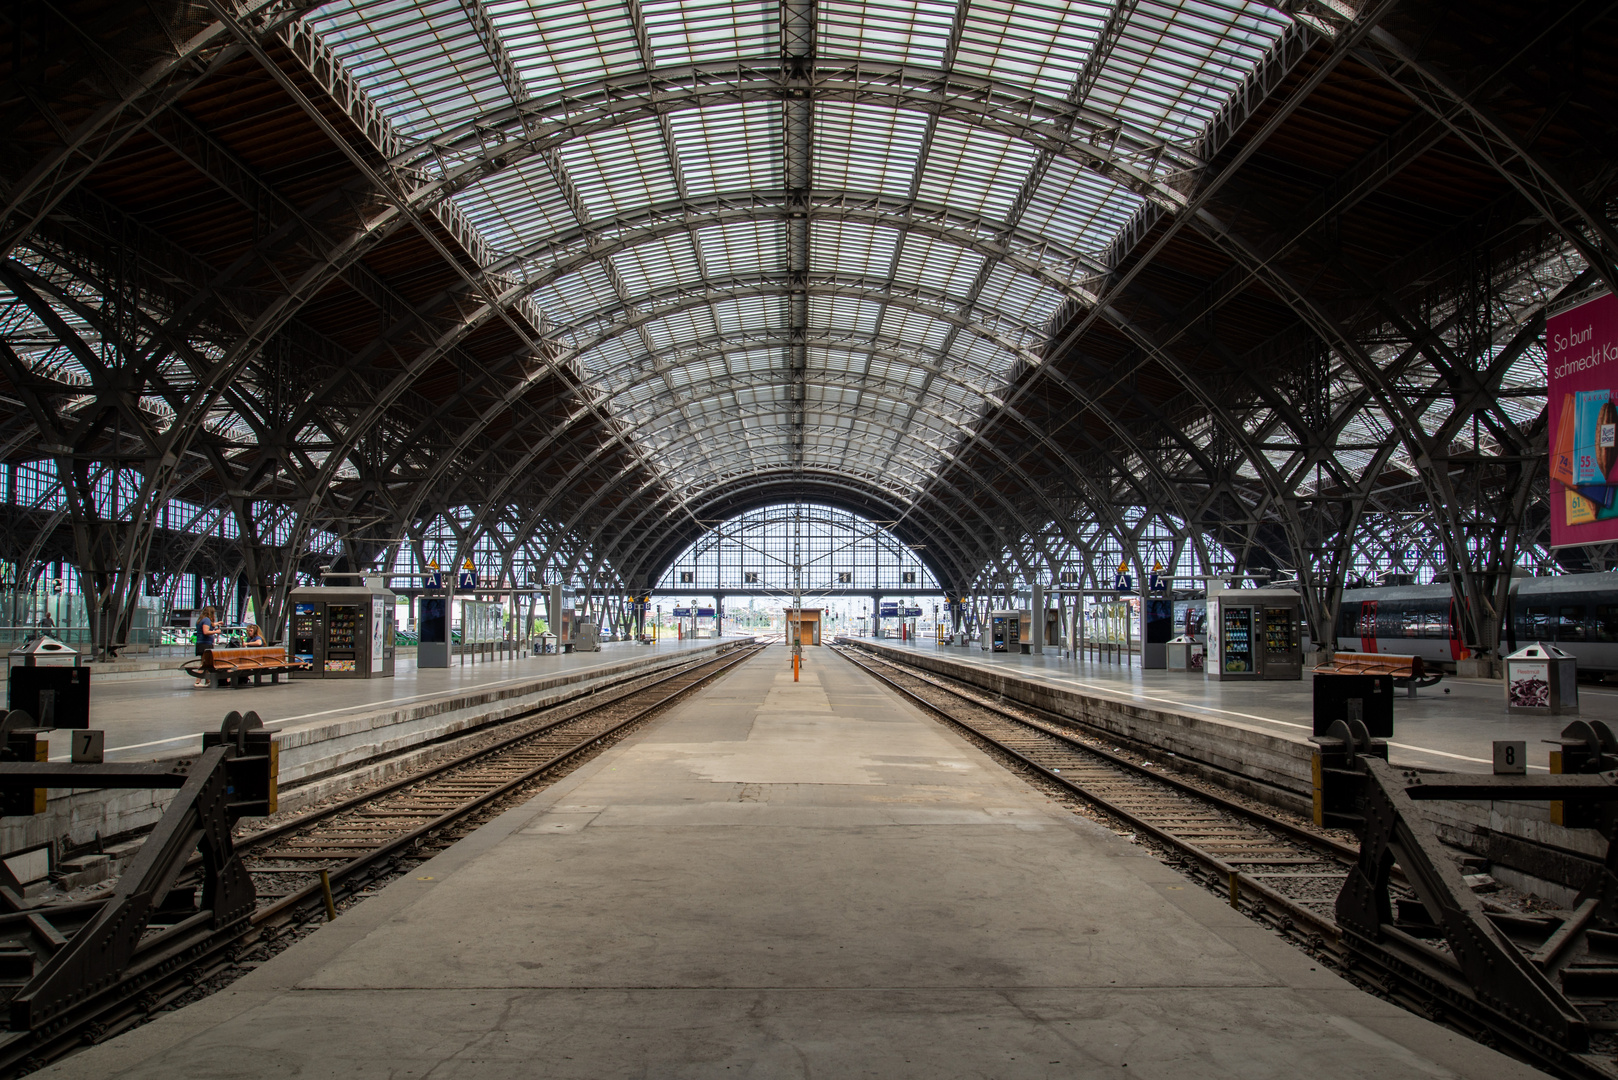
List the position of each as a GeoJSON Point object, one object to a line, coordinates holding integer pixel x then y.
{"type": "Point", "coordinates": [905, 539]}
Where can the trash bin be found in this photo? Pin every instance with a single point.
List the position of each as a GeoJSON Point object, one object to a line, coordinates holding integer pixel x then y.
{"type": "Point", "coordinates": [1542, 680]}
{"type": "Point", "coordinates": [46, 682]}
{"type": "Point", "coordinates": [1366, 698]}
{"type": "Point", "coordinates": [1185, 654]}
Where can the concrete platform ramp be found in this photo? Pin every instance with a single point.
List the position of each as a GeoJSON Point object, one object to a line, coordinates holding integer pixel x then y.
{"type": "Point", "coordinates": [786, 879]}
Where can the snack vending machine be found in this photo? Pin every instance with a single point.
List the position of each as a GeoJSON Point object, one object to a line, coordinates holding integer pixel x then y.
{"type": "Point", "coordinates": [1254, 634]}
{"type": "Point", "coordinates": [1004, 627]}
{"type": "Point", "coordinates": [344, 632]}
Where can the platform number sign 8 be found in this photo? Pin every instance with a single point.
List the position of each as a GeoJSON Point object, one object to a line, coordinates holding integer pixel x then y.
{"type": "Point", "coordinates": [1510, 757]}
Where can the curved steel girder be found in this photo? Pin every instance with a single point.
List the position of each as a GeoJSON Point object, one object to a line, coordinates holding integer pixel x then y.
{"type": "Point", "coordinates": [1001, 241]}
{"type": "Point", "coordinates": [886, 347]}
{"type": "Point", "coordinates": [987, 485]}
{"type": "Point", "coordinates": [472, 431]}
{"type": "Point", "coordinates": [1099, 142]}
{"type": "Point", "coordinates": [678, 506]}
{"type": "Point", "coordinates": [652, 548]}
{"type": "Point", "coordinates": [1584, 226]}
{"type": "Point", "coordinates": [924, 301]}
{"type": "Point", "coordinates": [1406, 423]}
{"type": "Point", "coordinates": [108, 127]}
{"type": "Point", "coordinates": [674, 509]}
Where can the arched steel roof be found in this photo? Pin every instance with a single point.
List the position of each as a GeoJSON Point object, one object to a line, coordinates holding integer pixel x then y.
{"type": "Point", "coordinates": [800, 239]}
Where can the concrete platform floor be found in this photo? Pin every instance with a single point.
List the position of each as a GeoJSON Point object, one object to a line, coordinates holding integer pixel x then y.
{"type": "Point", "coordinates": [1436, 729]}
{"type": "Point", "coordinates": [156, 718]}
{"type": "Point", "coordinates": [786, 879]}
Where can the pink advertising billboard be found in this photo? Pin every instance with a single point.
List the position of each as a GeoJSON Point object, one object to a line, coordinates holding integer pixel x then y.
{"type": "Point", "coordinates": [1581, 353]}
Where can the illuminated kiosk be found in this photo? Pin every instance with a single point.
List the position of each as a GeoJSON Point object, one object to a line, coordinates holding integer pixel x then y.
{"type": "Point", "coordinates": [343, 631]}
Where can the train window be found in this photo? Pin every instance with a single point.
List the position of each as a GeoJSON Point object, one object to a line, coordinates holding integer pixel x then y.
{"type": "Point", "coordinates": [1410, 624]}
{"type": "Point", "coordinates": [1534, 624]}
{"type": "Point", "coordinates": [1604, 624]}
{"type": "Point", "coordinates": [1570, 623]}
{"type": "Point", "coordinates": [1436, 620]}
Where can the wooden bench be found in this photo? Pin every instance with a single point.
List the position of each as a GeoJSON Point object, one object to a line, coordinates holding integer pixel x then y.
{"type": "Point", "coordinates": [1407, 671]}
{"type": "Point", "coordinates": [234, 667]}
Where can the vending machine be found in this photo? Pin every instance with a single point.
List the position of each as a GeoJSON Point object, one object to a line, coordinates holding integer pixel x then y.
{"type": "Point", "coordinates": [1004, 627]}
{"type": "Point", "coordinates": [343, 632]}
{"type": "Point", "coordinates": [1254, 634]}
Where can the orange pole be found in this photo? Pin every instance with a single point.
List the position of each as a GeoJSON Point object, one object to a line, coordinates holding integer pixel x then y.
{"type": "Point", "coordinates": [794, 669]}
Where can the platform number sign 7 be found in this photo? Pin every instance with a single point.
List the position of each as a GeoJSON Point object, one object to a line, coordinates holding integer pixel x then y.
{"type": "Point", "coordinates": [89, 746]}
{"type": "Point", "coordinates": [1510, 757]}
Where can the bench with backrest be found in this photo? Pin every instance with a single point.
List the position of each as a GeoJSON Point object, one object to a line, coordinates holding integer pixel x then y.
{"type": "Point", "coordinates": [235, 667]}
{"type": "Point", "coordinates": [1407, 671]}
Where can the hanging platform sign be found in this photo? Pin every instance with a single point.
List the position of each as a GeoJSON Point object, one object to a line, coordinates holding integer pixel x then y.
{"type": "Point", "coordinates": [1581, 354]}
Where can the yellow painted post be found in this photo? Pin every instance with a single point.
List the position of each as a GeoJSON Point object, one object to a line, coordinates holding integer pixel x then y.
{"type": "Point", "coordinates": [325, 892]}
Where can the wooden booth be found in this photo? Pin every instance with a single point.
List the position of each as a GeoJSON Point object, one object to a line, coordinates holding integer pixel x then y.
{"type": "Point", "coordinates": [811, 626]}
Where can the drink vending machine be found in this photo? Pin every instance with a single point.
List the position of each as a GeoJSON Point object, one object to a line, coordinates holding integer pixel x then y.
{"type": "Point", "coordinates": [1254, 634]}
{"type": "Point", "coordinates": [1004, 631]}
{"type": "Point", "coordinates": [344, 632]}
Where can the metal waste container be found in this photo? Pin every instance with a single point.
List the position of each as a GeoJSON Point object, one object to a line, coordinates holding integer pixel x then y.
{"type": "Point", "coordinates": [1184, 654]}
{"type": "Point", "coordinates": [1542, 680]}
{"type": "Point", "coordinates": [46, 681]}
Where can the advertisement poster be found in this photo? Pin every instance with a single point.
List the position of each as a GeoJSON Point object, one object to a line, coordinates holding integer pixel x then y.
{"type": "Point", "coordinates": [1581, 347]}
{"type": "Point", "coordinates": [1530, 686]}
{"type": "Point", "coordinates": [379, 612]}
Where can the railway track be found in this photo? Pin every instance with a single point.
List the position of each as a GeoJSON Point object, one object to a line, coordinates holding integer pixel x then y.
{"type": "Point", "coordinates": [1282, 874]}
{"type": "Point", "coordinates": [327, 857]}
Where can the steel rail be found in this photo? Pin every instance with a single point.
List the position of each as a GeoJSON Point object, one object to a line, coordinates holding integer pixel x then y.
{"type": "Point", "coordinates": [1448, 1004]}
{"type": "Point", "coordinates": [346, 870]}
{"type": "Point", "coordinates": [163, 979]}
{"type": "Point", "coordinates": [617, 692]}
{"type": "Point", "coordinates": [1325, 927]}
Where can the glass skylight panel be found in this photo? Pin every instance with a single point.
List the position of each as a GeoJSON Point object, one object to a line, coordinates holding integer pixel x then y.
{"type": "Point", "coordinates": [683, 32]}
{"type": "Point", "coordinates": [978, 354]}
{"type": "Point", "coordinates": [620, 169]}
{"type": "Point", "coordinates": [1041, 44]}
{"type": "Point", "coordinates": [744, 249]}
{"type": "Point", "coordinates": [1020, 298]}
{"type": "Point", "coordinates": [566, 43]}
{"type": "Point", "coordinates": [693, 323]}
{"type": "Point", "coordinates": [1078, 208]}
{"type": "Point", "coordinates": [657, 265]}
{"type": "Point", "coordinates": [866, 148]}
{"type": "Point", "coordinates": [421, 63]}
{"type": "Point", "coordinates": [975, 170]}
{"type": "Point", "coordinates": [572, 298]}
{"type": "Point", "coordinates": [915, 327]}
{"type": "Point", "coordinates": [518, 207]}
{"type": "Point", "coordinates": [938, 266]}
{"type": "Point", "coordinates": [846, 249]}
{"type": "Point", "coordinates": [750, 313]}
{"type": "Point", "coordinates": [898, 31]}
{"type": "Point", "coordinates": [1178, 62]}
{"type": "Point", "coordinates": [844, 313]}
{"type": "Point", "coordinates": [729, 148]}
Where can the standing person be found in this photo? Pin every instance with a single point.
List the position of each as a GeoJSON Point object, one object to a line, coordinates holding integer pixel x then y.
{"type": "Point", "coordinates": [47, 623]}
{"type": "Point", "coordinates": [207, 632]}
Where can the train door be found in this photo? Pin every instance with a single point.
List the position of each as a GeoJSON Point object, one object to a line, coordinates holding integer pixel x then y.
{"type": "Point", "coordinates": [1457, 651]}
{"type": "Point", "coordinates": [1368, 626]}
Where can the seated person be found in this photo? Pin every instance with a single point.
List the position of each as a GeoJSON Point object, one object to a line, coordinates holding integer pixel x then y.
{"type": "Point", "coordinates": [253, 637]}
